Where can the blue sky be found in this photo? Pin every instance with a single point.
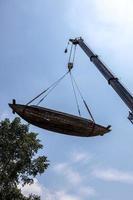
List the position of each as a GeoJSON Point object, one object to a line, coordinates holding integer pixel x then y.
{"type": "Point", "coordinates": [32, 40]}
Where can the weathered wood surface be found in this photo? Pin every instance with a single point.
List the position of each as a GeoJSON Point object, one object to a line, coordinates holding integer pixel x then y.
{"type": "Point", "coordinates": [58, 121]}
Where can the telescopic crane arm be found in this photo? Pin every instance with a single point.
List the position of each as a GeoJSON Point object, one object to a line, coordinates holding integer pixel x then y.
{"type": "Point", "coordinates": [112, 80]}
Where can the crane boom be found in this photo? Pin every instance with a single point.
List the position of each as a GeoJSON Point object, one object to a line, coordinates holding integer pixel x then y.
{"type": "Point", "coordinates": [112, 80]}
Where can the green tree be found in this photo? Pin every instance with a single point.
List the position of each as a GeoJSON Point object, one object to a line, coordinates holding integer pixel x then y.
{"type": "Point", "coordinates": [18, 164]}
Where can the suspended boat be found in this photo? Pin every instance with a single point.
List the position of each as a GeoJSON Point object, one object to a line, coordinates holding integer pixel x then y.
{"type": "Point", "coordinates": [58, 121]}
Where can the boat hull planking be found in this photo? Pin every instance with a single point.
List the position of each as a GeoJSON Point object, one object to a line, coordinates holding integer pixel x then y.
{"type": "Point", "coordinates": [58, 121]}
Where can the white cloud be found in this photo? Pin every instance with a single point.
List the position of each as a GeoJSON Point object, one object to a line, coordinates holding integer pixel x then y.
{"type": "Point", "coordinates": [60, 167]}
{"type": "Point", "coordinates": [82, 157]}
{"type": "Point", "coordinates": [76, 178]}
{"type": "Point", "coordinates": [107, 25]}
{"type": "Point", "coordinates": [45, 193]}
{"type": "Point", "coordinates": [86, 191]}
{"type": "Point", "coordinates": [114, 12]}
{"type": "Point", "coordinates": [35, 188]}
{"type": "Point", "coordinates": [88, 16]}
{"type": "Point", "coordinates": [4, 115]}
{"type": "Point", "coordinates": [69, 173]}
{"type": "Point", "coordinates": [113, 175]}
{"type": "Point", "coordinates": [59, 195]}
{"type": "Point", "coordinates": [64, 195]}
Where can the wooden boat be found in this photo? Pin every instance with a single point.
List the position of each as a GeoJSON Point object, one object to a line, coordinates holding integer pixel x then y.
{"type": "Point", "coordinates": [58, 121]}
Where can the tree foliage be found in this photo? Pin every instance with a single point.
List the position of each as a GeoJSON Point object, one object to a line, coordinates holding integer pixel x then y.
{"type": "Point", "coordinates": [18, 164]}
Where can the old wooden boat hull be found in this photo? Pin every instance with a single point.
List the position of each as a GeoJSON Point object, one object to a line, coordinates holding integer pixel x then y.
{"type": "Point", "coordinates": [58, 121]}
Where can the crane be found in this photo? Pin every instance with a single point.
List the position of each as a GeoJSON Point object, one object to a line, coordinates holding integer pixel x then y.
{"type": "Point", "coordinates": [113, 81]}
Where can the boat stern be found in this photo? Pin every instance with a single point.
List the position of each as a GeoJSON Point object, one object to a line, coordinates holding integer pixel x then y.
{"type": "Point", "coordinates": [17, 108]}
